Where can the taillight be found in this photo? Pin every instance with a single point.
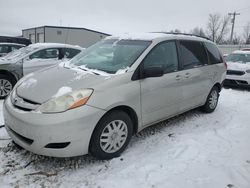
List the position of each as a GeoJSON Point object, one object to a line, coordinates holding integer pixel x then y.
{"type": "Point", "coordinates": [225, 64]}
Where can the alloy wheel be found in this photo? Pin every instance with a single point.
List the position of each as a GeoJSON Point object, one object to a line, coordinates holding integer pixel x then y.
{"type": "Point", "coordinates": [5, 87]}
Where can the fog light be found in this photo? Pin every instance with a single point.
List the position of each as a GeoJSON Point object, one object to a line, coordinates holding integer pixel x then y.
{"type": "Point", "coordinates": [57, 145]}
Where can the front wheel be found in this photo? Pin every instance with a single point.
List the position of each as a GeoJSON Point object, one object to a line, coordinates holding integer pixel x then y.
{"type": "Point", "coordinates": [111, 135]}
{"type": "Point", "coordinates": [6, 85]}
{"type": "Point", "coordinates": [212, 100]}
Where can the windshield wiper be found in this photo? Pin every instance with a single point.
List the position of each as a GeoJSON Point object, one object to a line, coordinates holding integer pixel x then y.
{"type": "Point", "coordinates": [89, 70]}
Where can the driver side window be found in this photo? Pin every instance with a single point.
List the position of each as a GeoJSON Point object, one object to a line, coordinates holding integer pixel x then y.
{"type": "Point", "coordinates": [163, 55]}
{"type": "Point", "coordinates": [51, 53]}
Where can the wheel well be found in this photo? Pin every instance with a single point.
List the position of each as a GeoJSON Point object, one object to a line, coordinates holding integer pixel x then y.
{"type": "Point", "coordinates": [7, 73]}
{"type": "Point", "coordinates": [132, 114]}
{"type": "Point", "coordinates": [218, 85]}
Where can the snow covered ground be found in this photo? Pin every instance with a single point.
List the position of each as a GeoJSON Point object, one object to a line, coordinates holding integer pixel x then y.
{"type": "Point", "coordinates": [193, 150]}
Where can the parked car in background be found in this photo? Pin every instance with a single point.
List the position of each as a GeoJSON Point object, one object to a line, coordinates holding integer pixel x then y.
{"type": "Point", "coordinates": [6, 48]}
{"type": "Point", "coordinates": [34, 57]}
{"type": "Point", "coordinates": [17, 40]}
{"type": "Point", "coordinates": [95, 102]}
{"type": "Point", "coordinates": [238, 73]}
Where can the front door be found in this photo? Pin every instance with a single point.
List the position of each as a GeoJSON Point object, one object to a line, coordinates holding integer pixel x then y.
{"type": "Point", "coordinates": [161, 97]}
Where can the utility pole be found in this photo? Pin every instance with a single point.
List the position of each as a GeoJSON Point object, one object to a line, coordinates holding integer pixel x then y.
{"type": "Point", "coordinates": [234, 14]}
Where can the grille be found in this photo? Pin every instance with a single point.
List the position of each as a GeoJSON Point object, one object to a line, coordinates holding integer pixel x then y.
{"type": "Point", "coordinates": [235, 82]}
{"type": "Point", "coordinates": [234, 72]}
{"type": "Point", "coordinates": [24, 104]}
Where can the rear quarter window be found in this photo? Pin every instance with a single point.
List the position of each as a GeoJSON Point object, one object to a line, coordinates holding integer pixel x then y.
{"type": "Point", "coordinates": [192, 54]}
{"type": "Point", "coordinates": [213, 52]}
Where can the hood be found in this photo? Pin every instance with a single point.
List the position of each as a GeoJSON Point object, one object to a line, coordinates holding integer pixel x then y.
{"type": "Point", "coordinates": [238, 66]}
{"type": "Point", "coordinates": [4, 61]}
{"type": "Point", "coordinates": [41, 86]}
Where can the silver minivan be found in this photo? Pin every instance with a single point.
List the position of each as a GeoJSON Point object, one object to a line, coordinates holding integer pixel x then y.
{"type": "Point", "coordinates": [112, 90]}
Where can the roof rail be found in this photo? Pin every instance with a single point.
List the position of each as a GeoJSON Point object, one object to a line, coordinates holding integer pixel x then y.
{"type": "Point", "coordinates": [187, 34]}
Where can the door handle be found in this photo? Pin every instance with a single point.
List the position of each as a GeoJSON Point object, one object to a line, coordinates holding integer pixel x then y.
{"type": "Point", "coordinates": [187, 75]}
{"type": "Point", "coordinates": [178, 77]}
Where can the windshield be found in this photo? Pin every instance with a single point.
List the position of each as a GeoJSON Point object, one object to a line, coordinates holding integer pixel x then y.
{"type": "Point", "coordinates": [244, 58]}
{"type": "Point", "coordinates": [110, 56]}
{"type": "Point", "coordinates": [19, 53]}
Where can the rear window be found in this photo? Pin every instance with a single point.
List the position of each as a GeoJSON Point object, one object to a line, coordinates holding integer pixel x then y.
{"type": "Point", "coordinates": [213, 53]}
{"type": "Point", "coordinates": [70, 52]}
{"type": "Point", "coordinates": [192, 54]}
{"type": "Point", "coordinates": [15, 47]}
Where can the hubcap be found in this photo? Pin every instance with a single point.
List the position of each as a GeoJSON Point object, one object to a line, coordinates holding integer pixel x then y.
{"type": "Point", "coordinates": [113, 136]}
{"type": "Point", "coordinates": [213, 99]}
{"type": "Point", "coordinates": [5, 87]}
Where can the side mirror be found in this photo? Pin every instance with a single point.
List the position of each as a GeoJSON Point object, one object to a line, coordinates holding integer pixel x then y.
{"type": "Point", "coordinates": [152, 72]}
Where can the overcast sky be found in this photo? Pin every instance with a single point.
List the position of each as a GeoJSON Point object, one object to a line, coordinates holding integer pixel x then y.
{"type": "Point", "coordinates": [117, 16]}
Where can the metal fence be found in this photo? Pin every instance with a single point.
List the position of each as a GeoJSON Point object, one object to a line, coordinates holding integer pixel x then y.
{"type": "Point", "coordinates": [227, 49]}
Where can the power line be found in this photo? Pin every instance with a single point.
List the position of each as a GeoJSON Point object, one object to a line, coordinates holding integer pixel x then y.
{"type": "Point", "coordinates": [245, 8]}
{"type": "Point", "coordinates": [234, 14]}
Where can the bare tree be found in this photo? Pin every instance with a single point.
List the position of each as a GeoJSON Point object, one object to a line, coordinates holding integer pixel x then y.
{"type": "Point", "coordinates": [198, 31]}
{"type": "Point", "coordinates": [246, 33]}
{"type": "Point", "coordinates": [217, 27]}
{"type": "Point", "coordinates": [175, 31]}
{"type": "Point", "coordinates": [237, 39]}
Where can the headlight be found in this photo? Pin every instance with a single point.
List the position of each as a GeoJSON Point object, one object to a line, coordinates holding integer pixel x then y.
{"type": "Point", "coordinates": [248, 71]}
{"type": "Point", "coordinates": [66, 102]}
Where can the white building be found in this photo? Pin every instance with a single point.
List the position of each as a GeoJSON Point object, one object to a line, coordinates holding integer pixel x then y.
{"type": "Point", "coordinates": [68, 35]}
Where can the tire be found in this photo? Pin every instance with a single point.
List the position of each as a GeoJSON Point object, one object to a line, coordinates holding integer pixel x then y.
{"type": "Point", "coordinates": [6, 85]}
{"type": "Point", "coordinates": [114, 128]}
{"type": "Point", "coordinates": [212, 100]}
{"type": "Point", "coordinates": [17, 145]}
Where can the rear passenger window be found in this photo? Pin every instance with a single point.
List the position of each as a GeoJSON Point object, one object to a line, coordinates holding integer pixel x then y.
{"type": "Point", "coordinates": [192, 54]}
{"type": "Point", "coordinates": [70, 53]}
{"type": "Point", "coordinates": [213, 53]}
{"type": "Point", "coordinates": [163, 55]}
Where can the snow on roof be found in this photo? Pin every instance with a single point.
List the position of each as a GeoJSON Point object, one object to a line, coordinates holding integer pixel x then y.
{"type": "Point", "coordinates": [45, 45]}
{"type": "Point", "coordinates": [137, 36]}
{"type": "Point", "coordinates": [153, 36]}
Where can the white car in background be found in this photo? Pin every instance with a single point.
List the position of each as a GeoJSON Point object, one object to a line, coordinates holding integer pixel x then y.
{"type": "Point", "coordinates": [238, 71]}
{"type": "Point", "coordinates": [34, 57]}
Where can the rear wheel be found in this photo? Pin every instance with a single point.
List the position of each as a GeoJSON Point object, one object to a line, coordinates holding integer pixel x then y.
{"type": "Point", "coordinates": [111, 135]}
{"type": "Point", "coordinates": [212, 100]}
{"type": "Point", "coordinates": [6, 85]}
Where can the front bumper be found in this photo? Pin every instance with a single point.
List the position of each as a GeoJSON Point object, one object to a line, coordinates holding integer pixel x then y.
{"type": "Point", "coordinates": [36, 131]}
{"type": "Point", "coordinates": [234, 80]}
